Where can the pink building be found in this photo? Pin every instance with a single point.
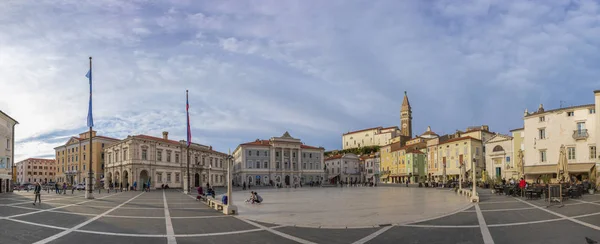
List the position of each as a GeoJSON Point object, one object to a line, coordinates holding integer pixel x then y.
{"type": "Point", "coordinates": [34, 170]}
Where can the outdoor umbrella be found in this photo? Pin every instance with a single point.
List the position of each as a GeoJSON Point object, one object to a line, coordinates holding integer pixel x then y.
{"type": "Point", "coordinates": [563, 168]}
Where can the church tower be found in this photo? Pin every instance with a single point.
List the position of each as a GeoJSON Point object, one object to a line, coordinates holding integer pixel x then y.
{"type": "Point", "coordinates": [406, 117]}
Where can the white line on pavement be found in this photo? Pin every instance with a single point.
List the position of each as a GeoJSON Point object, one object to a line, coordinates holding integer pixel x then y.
{"type": "Point", "coordinates": [45, 200]}
{"type": "Point", "coordinates": [50, 209]}
{"type": "Point", "coordinates": [581, 201]}
{"type": "Point", "coordinates": [372, 235]}
{"type": "Point", "coordinates": [485, 232]}
{"type": "Point", "coordinates": [284, 235]}
{"type": "Point", "coordinates": [442, 226]}
{"type": "Point", "coordinates": [170, 232]}
{"type": "Point", "coordinates": [563, 216]}
{"type": "Point", "coordinates": [61, 234]}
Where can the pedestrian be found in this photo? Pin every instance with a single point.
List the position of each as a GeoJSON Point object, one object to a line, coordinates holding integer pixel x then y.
{"type": "Point", "coordinates": [135, 185]}
{"type": "Point", "coordinates": [56, 188]}
{"type": "Point", "coordinates": [64, 188]}
{"type": "Point", "coordinates": [37, 191]}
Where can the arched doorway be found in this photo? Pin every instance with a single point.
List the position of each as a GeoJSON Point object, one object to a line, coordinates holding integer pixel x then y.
{"type": "Point", "coordinates": [110, 179]}
{"type": "Point", "coordinates": [197, 180]}
{"type": "Point", "coordinates": [144, 177]}
{"type": "Point", "coordinates": [257, 182]}
{"type": "Point", "coordinates": [249, 179]}
{"type": "Point", "coordinates": [117, 179]}
{"type": "Point", "coordinates": [287, 180]}
{"type": "Point", "coordinates": [125, 178]}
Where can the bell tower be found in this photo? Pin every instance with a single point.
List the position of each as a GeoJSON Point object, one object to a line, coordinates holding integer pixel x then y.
{"type": "Point", "coordinates": [406, 117]}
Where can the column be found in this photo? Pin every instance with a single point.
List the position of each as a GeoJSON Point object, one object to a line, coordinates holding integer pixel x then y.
{"type": "Point", "coordinates": [300, 164]}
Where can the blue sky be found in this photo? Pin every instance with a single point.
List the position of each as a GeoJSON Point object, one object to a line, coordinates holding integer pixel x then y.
{"type": "Point", "coordinates": [317, 69]}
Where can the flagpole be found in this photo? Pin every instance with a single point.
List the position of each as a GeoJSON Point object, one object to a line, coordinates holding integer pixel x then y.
{"type": "Point", "coordinates": [188, 143]}
{"type": "Point", "coordinates": [89, 194]}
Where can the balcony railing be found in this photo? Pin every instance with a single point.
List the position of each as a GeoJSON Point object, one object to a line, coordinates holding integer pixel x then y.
{"type": "Point", "coordinates": [580, 134]}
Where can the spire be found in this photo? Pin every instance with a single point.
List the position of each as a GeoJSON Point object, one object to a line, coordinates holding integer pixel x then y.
{"type": "Point", "coordinates": [405, 103]}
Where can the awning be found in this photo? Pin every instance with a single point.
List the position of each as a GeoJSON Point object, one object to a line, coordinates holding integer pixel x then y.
{"type": "Point", "coordinates": [331, 177]}
{"type": "Point", "coordinates": [540, 169]}
{"type": "Point", "coordinates": [581, 167]}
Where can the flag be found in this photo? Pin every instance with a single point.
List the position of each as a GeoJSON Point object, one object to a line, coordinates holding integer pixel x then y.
{"type": "Point", "coordinates": [189, 130]}
{"type": "Point", "coordinates": [90, 118]}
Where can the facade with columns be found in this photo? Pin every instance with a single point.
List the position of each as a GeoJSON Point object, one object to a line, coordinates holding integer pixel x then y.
{"type": "Point", "coordinates": [280, 160]}
{"type": "Point", "coordinates": [161, 161]}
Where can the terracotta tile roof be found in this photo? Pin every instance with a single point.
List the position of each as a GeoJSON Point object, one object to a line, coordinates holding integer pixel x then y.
{"type": "Point", "coordinates": [334, 157]}
{"type": "Point", "coordinates": [460, 139]}
{"type": "Point", "coordinates": [308, 147]}
{"type": "Point", "coordinates": [106, 137]}
{"type": "Point", "coordinates": [356, 131]}
{"type": "Point", "coordinates": [258, 142]}
{"type": "Point", "coordinates": [156, 138]}
{"type": "Point", "coordinates": [391, 127]}
{"type": "Point", "coordinates": [560, 109]}
{"type": "Point", "coordinates": [395, 146]}
{"type": "Point", "coordinates": [40, 159]}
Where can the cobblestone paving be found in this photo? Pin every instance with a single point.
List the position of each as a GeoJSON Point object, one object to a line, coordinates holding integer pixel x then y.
{"type": "Point", "coordinates": [139, 217]}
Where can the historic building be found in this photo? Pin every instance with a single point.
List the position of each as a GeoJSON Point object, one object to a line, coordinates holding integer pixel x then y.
{"type": "Point", "coordinates": [546, 130]}
{"type": "Point", "coordinates": [156, 161]}
{"type": "Point", "coordinates": [380, 136]}
{"type": "Point", "coordinates": [280, 160]}
{"type": "Point", "coordinates": [371, 164]}
{"type": "Point", "coordinates": [34, 170]}
{"type": "Point", "coordinates": [73, 158]}
{"type": "Point", "coordinates": [500, 159]}
{"type": "Point", "coordinates": [343, 168]}
{"type": "Point", "coordinates": [7, 152]}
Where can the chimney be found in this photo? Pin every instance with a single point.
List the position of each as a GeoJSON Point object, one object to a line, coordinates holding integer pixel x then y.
{"type": "Point", "coordinates": [166, 135]}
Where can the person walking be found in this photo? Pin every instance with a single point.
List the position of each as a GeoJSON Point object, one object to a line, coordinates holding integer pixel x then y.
{"type": "Point", "coordinates": [37, 191]}
{"type": "Point", "coordinates": [64, 188]}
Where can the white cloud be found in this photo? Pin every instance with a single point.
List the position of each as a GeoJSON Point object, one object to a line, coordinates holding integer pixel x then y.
{"type": "Point", "coordinates": [318, 69]}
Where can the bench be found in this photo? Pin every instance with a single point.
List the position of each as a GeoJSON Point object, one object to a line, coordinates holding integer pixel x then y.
{"type": "Point", "coordinates": [216, 204]}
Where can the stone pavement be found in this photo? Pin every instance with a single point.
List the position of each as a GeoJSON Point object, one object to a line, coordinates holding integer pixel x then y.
{"type": "Point", "coordinates": [172, 217]}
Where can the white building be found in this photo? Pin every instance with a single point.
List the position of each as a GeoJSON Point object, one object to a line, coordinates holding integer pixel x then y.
{"type": "Point", "coordinates": [377, 136]}
{"type": "Point", "coordinates": [280, 160]}
{"type": "Point", "coordinates": [143, 158]}
{"type": "Point", "coordinates": [343, 167]}
{"type": "Point", "coordinates": [499, 159]}
{"type": "Point", "coordinates": [546, 130]}
{"type": "Point", "coordinates": [371, 166]}
{"type": "Point", "coordinates": [7, 153]}
{"type": "Point", "coordinates": [34, 170]}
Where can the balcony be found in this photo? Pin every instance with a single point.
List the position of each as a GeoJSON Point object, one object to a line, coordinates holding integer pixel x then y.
{"type": "Point", "coordinates": [580, 134]}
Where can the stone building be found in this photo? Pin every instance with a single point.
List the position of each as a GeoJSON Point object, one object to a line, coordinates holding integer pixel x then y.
{"type": "Point", "coordinates": [344, 168]}
{"type": "Point", "coordinates": [73, 158]}
{"type": "Point", "coordinates": [371, 167]}
{"type": "Point", "coordinates": [546, 130]}
{"type": "Point", "coordinates": [7, 152]}
{"type": "Point", "coordinates": [500, 162]}
{"type": "Point", "coordinates": [160, 161]}
{"type": "Point", "coordinates": [280, 160]}
{"type": "Point", "coordinates": [34, 170]}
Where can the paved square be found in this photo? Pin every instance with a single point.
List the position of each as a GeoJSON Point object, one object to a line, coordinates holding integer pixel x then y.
{"type": "Point", "coordinates": [139, 217]}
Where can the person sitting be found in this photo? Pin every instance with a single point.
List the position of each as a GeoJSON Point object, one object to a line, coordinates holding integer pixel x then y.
{"type": "Point", "coordinates": [251, 198]}
{"type": "Point", "coordinates": [257, 198]}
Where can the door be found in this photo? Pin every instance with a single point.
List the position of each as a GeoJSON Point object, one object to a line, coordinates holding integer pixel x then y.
{"type": "Point", "coordinates": [498, 172]}
{"type": "Point", "coordinates": [287, 180]}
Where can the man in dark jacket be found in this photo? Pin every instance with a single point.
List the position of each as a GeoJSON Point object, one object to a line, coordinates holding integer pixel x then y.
{"type": "Point", "coordinates": [37, 192]}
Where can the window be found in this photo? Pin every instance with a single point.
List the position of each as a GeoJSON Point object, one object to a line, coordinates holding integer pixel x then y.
{"type": "Point", "coordinates": [571, 153]}
{"type": "Point", "coordinates": [116, 156]}
{"type": "Point", "coordinates": [277, 166]}
{"type": "Point", "coordinates": [276, 154]}
{"type": "Point", "coordinates": [570, 114]}
{"type": "Point", "coordinates": [258, 165]}
{"type": "Point", "coordinates": [542, 118]}
{"type": "Point", "coordinates": [159, 177]}
{"type": "Point", "coordinates": [542, 133]}
{"type": "Point", "coordinates": [177, 158]}
{"type": "Point", "coordinates": [177, 177]}
{"type": "Point", "coordinates": [477, 151]}
{"type": "Point", "coordinates": [102, 145]}
{"type": "Point", "coordinates": [84, 157]}
{"type": "Point", "coordinates": [581, 128]}
{"type": "Point", "coordinates": [124, 154]}
{"type": "Point", "coordinates": [266, 153]}
{"type": "Point", "coordinates": [592, 152]}
{"type": "Point", "coordinates": [543, 155]}
{"type": "Point", "coordinates": [159, 155]}
{"type": "Point", "coordinates": [249, 153]}
{"type": "Point", "coordinates": [266, 165]}
{"type": "Point", "coordinates": [102, 155]}
{"type": "Point", "coordinates": [168, 177]}
{"type": "Point", "coordinates": [78, 148]}
{"type": "Point", "coordinates": [169, 156]}
{"type": "Point", "coordinates": [592, 110]}
{"type": "Point", "coordinates": [196, 159]}
{"type": "Point", "coordinates": [508, 159]}
{"type": "Point", "coordinates": [144, 154]}
{"type": "Point", "coordinates": [294, 155]}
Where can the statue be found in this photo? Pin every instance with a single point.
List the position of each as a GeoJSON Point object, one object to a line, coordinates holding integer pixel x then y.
{"type": "Point", "coordinates": [520, 164]}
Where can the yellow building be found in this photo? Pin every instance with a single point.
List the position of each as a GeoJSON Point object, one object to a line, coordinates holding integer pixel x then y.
{"type": "Point", "coordinates": [72, 158]}
{"type": "Point", "coordinates": [460, 151]}
{"type": "Point", "coordinates": [385, 163]}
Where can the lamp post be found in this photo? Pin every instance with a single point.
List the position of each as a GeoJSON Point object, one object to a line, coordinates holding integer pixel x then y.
{"type": "Point", "coordinates": [474, 196]}
{"type": "Point", "coordinates": [460, 174]}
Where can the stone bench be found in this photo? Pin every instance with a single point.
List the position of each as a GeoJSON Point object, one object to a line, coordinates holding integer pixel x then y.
{"type": "Point", "coordinates": [216, 204]}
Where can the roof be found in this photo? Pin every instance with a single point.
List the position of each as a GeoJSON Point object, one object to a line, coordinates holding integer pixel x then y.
{"type": "Point", "coordinates": [337, 156]}
{"type": "Point", "coordinates": [560, 109]}
{"type": "Point", "coordinates": [505, 137]}
{"type": "Point", "coordinates": [308, 147]}
{"type": "Point", "coordinates": [356, 131]}
{"type": "Point", "coordinates": [156, 139]}
{"type": "Point", "coordinates": [395, 146]}
{"type": "Point", "coordinates": [405, 102]}
{"type": "Point", "coordinates": [9, 117]}
{"type": "Point", "coordinates": [513, 130]}
{"type": "Point", "coordinates": [106, 137]}
{"type": "Point", "coordinates": [415, 151]}
{"type": "Point", "coordinates": [38, 159]}
{"type": "Point", "coordinates": [460, 139]}
{"type": "Point", "coordinates": [258, 142]}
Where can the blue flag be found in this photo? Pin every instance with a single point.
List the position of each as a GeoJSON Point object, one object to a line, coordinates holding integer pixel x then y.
{"type": "Point", "coordinates": [90, 118]}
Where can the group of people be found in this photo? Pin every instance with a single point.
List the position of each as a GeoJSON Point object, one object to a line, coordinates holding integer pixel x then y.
{"type": "Point", "coordinates": [254, 198]}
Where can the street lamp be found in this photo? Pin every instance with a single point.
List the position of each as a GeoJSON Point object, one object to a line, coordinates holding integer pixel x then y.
{"type": "Point", "coordinates": [229, 208]}
{"type": "Point", "coordinates": [474, 196]}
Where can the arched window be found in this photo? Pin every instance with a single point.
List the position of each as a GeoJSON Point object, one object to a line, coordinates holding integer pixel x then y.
{"type": "Point", "coordinates": [498, 148]}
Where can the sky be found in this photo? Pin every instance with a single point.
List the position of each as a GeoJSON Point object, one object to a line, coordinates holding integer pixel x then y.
{"type": "Point", "coordinates": [318, 69]}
